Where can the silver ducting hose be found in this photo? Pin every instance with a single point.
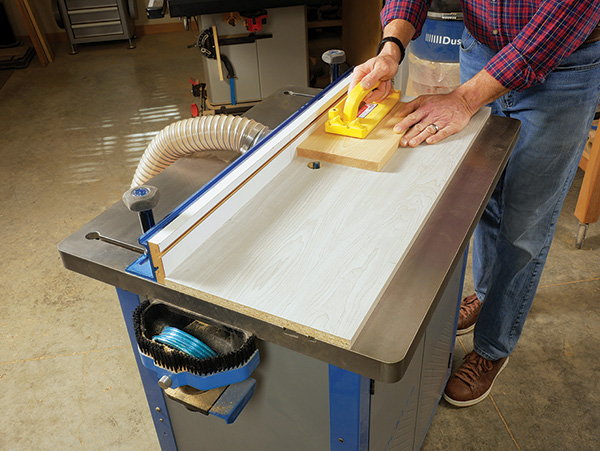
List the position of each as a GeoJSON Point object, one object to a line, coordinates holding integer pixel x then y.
{"type": "Point", "coordinates": [197, 134]}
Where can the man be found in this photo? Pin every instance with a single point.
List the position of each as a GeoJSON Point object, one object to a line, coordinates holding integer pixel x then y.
{"type": "Point", "coordinates": [537, 61]}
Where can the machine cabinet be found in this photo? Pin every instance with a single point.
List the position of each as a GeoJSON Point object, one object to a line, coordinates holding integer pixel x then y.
{"type": "Point", "coordinates": [88, 21]}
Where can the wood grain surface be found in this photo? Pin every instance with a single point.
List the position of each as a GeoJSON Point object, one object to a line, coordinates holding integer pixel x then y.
{"type": "Point", "coordinates": [371, 153]}
{"type": "Point", "coordinates": [314, 250]}
{"type": "Point", "coordinates": [231, 190]}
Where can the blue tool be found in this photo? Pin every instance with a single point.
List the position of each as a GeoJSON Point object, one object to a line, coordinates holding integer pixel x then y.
{"type": "Point", "coordinates": [178, 339]}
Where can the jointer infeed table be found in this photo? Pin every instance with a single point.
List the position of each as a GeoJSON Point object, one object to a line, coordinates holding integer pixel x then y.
{"type": "Point", "coordinates": [350, 282]}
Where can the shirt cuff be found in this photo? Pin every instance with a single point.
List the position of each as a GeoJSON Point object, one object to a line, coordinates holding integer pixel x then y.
{"type": "Point", "coordinates": [512, 70]}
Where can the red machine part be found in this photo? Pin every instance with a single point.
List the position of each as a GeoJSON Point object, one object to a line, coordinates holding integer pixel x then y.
{"type": "Point", "coordinates": [254, 22]}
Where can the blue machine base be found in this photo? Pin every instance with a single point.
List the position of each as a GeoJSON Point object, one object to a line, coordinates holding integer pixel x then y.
{"type": "Point", "coordinates": [298, 392]}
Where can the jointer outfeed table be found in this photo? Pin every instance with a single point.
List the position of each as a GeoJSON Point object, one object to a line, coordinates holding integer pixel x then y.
{"type": "Point", "coordinates": [351, 290]}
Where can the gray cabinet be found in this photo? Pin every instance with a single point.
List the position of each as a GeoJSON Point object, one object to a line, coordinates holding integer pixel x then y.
{"type": "Point", "coordinates": [88, 21]}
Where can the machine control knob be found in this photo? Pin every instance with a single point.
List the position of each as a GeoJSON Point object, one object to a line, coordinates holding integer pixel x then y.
{"type": "Point", "coordinates": [141, 198]}
{"type": "Point", "coordinates": [334, 56]}
{"type": "Point", "coordinates": [165, 382]}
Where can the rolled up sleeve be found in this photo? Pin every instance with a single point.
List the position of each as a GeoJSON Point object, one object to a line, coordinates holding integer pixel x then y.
{"type": "Point", "coordinates": [414, 12]}
{"type": "Point", "coordinates": [556, 30]}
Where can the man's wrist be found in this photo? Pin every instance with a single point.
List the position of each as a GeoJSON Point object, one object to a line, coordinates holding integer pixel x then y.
{"type": "Point", "coordinates": [391, 45]}
{"type": "Point", "coordinates": [480, 90]}
{"type": "Point", "coordinates": [400, 29]}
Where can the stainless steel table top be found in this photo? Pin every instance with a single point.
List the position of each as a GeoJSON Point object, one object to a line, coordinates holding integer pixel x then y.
{"type": "Point", "coordinates": [386, 344]}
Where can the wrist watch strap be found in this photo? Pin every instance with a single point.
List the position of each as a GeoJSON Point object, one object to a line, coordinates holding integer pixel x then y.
{"type": "Point", "coordinates": [395, 41]}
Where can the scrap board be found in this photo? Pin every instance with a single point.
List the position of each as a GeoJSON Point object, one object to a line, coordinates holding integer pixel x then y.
{"type": "Point", "coordinates": [371, 153]}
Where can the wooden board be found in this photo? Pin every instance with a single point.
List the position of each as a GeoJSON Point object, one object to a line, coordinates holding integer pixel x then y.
{"type": "Point", "coordinates": [41, 36]}
{"type": "Point", "coordinates": [39, 49]}
{"type": "Point", "coordinates": [314, 250]}
{"type": "Point", "coordinates": [38, 39]}
{"type": "Point", "coordinates": [217, 51]}
{"type": "Point", "coordinates": [371, 153]}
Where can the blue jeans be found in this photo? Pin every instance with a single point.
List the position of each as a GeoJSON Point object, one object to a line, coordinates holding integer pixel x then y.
{"type": "Point", "coordinates": [512, 239]}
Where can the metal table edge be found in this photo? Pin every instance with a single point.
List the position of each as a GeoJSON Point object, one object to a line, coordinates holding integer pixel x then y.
{"type": "Point", "coordinates": [435, 253]}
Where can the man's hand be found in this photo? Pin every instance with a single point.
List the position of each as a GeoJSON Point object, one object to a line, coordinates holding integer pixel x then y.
{"type": "Point", "coordinates": [382, 67]}
{"type": "Point", "coordinates": [385, 65]}
{"type": "Point", "coordinates": [431, 118]}
{"type": "Point", "coordinates": [428, 118]}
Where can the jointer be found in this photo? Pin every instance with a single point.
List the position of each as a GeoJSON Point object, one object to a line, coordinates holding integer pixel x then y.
{"type": "Point", "coordinates": [348, 281]}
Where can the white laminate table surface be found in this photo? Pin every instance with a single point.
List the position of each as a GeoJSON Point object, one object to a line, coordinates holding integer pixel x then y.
{"type": "Point", "coordinates": [314, 250]}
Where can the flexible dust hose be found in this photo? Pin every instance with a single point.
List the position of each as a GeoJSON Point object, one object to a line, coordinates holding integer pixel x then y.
{"type": "Point", "coordinates": [188, 136]}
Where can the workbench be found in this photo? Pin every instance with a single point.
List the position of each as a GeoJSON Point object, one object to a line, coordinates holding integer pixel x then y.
{"type": "Point", "coordinates": [377, 389]}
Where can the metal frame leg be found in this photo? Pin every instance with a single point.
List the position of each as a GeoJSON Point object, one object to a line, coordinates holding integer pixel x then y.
{"type": "Point", "coordinates": [581, 233]}
{"type": "Point", "coordinates": [349, 410]}
{"type": "Point", "coordinates": [459, 301]}
{"type": "Point", "coordinates": [154, 394]}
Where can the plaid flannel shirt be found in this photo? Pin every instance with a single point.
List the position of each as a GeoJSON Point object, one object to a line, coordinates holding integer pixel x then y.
{"type": "Point", "coordinates": [531, 37]}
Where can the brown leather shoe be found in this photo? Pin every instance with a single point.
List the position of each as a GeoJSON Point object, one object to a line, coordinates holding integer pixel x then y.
{"type": "Point", "coordinates": [467, 316]}
{"type": "Point", "coordinates": [473, 381]}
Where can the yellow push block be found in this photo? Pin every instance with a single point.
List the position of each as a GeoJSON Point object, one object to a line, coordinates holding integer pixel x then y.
{"type": "Point", "coordinates": [347, 118]}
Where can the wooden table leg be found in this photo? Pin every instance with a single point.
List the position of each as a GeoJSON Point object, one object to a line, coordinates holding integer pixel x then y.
{"type": "Point", "coordinates": [588, 203]}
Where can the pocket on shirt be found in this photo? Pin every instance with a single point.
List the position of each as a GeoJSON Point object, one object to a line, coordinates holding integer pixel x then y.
{"type": "Point", "coordinates": [467, 41]}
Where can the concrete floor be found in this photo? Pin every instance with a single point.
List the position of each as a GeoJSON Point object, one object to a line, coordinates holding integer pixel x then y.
{"type": "Point", "coordinates": [70, 137]}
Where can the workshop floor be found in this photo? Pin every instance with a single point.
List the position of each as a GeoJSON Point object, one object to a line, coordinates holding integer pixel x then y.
{"type": "Point", "coordinates": [70, 137]}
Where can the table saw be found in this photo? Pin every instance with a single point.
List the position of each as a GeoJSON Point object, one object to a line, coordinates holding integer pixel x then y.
{"type": "Point", "coordinates": [348, 282]}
